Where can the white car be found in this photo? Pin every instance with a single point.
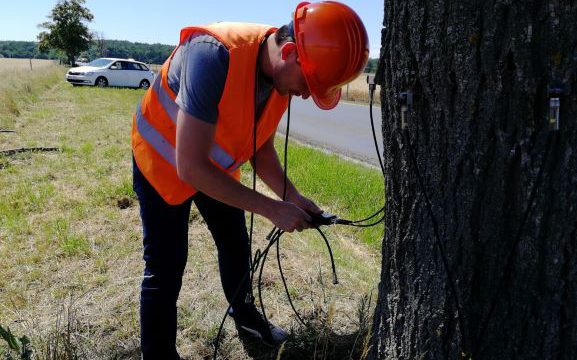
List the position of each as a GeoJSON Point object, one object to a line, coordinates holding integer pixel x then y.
{"type": "Point", "coordinates": [111, 72]}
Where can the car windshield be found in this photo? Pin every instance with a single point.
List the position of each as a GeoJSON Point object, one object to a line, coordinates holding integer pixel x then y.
{"type": "Point", "coordinates": [100, 62]}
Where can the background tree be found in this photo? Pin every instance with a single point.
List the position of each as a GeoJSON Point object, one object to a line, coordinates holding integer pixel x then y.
{"type": "Point", "coordinates": [24, 49]}
{"type": "Point", "coordinates": [489, 270]}
{"type": "Point", "coordinates": [371, 66]}
{"type": "Point", "coordinates": [67, 31]}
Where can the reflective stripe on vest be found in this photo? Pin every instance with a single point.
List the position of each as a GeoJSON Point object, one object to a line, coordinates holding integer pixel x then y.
{"type": "Point", "coordinates": [153, 137]}
{"type": "Point", "coordinates": [167, 103]}
{"type": "Point", "coordinates": [168, 152]}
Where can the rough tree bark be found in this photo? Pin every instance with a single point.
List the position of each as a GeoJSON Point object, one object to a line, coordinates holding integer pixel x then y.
{"type": "Point", "coordinates": [502, 185]}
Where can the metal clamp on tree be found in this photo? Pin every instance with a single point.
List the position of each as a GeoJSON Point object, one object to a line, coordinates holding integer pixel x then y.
{"type": "Point", "coordinates": [555, 93]}
{"type": "Point", "coordinates": [406, 100]}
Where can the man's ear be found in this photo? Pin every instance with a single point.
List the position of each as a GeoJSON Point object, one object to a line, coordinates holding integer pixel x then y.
{"type": "Point", "coordinates": [287, 49]}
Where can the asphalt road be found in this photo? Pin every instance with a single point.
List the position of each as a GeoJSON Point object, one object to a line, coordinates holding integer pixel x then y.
{"type": "Point", "coordinates": [345, 130]}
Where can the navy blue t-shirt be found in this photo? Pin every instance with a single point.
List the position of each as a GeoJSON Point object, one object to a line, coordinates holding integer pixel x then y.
{"type": "Point", "coordinates": [197, 75]}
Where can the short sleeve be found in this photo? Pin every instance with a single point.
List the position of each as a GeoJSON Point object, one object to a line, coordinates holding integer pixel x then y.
{"type": "Point", "coordinates": [203, 69]}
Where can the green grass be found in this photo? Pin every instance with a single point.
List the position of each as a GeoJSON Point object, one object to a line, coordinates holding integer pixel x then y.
{"type": "Point", "coordinates": [344, 188]}
{"type": "Point", "coordinates": [348, 189]}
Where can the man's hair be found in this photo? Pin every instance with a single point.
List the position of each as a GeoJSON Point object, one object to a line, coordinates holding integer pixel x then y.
{"type": "Point", "coordinates": [284, 33]}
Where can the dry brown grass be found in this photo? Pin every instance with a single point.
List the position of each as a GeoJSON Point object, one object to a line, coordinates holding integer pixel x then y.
{"type": "Point", "coordinates": [358, 91]}
{"type": "Point", "coordinates": [21, 87]}
{"type": "Point", "coordinates": [71, 257]}
{"type": "Point", "coordinates": [7, 64]}
{"type": "Point", "coordinates": [155, 67]}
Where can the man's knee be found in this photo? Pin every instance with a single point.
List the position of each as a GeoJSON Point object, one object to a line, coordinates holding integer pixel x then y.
{"type": "Point", "coordinates": [166, 282]}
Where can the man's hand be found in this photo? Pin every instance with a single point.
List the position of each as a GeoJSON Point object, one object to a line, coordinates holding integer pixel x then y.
{"type": "Point", "coordinates": [289, 217]}
{"type": "Point", "coordinates": [305, 203]}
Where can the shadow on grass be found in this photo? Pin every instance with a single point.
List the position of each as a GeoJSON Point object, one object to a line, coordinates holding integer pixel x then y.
{"type": "Point", "coordinates": [308, 343]}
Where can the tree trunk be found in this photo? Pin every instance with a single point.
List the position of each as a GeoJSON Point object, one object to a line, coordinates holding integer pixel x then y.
{"type": "Point", "coordinates": [489, 269]}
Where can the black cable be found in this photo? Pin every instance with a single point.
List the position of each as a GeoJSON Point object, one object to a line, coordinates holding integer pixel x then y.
{"type": "Point", "coordinates": [270, 234]}
{"type": "Point", "coordinates": [254, 133]}
{"type": "Point", "coordinates": [510, 257]}
{"type": "Point", "coordinates": [357, 222]}
{"type": "Point", "coordinates": [259, 283]}
{"type": "Point", "coordinates": [371, 93]}
{"type": "Point", "coordinates": [278, 242]}
{"type": "Point", "coordinates": [256, 262]}
{"type": "Point", "coordinates": [333, 266]}
{"type": "Point", "coordinates": [286, 286]}
{"type": "Point", "coordinates": [335, 280]}
{"type": "Point", "coordinates": [288, 122]}
{"type": "Point", "coordinates": [445, 261]}
{"type": "Point", "coordinates": [368, 218]}
{"type": "Point", "coordinates": [284, 198]}
{"type": "Point", "coordinates": [381, 210]}
{"type": "Point", "coordinates": [251, 261]}
{"type": "Point", "coordinates": [377, 222]}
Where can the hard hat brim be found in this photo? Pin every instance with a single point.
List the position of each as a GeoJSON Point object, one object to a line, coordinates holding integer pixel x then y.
{"type": "Point", "coordinates": [327, 100]}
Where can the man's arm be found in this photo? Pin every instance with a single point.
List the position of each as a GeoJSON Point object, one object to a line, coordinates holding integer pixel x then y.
{"type": "Point", "coordinates": [194, 139]}
{"type": "Point", "coordinates": [269, 169]}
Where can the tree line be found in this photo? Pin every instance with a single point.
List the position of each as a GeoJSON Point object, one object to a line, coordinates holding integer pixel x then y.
{"type": "Point", "coordinates": [147, 53]}
{"type": "Point", "coordinates": [372, 66]}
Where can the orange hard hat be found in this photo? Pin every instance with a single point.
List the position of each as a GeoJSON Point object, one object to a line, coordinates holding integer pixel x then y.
{"type": "Point", "coordinates": [332, 46]}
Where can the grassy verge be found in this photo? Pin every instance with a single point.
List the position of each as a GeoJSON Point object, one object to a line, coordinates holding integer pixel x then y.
{"type": "Point", "coordinates": [70, 240]}
{"type": "Point", "coordinates": [347, 189]}
{"type": "Point", "coordinates": [21, 88]}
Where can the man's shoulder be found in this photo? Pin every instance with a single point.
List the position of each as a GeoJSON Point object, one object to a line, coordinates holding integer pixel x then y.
{"type": "Point", "coordinates": [203, 50]}
{"type": "Point", "coordinates": [203, 38]}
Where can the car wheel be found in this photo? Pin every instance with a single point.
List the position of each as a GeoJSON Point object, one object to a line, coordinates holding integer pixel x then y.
{"type": "Point", "coordinates": [101, 82]}
{"type": "Point", "coordinates": [144, 84]}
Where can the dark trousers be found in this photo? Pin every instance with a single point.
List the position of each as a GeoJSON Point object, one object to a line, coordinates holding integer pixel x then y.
{"type": "Point", "coordinates": [165, 254]}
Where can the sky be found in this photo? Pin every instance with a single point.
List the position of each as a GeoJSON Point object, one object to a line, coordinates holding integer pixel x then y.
{"type": "Point", "coordinates": [149, 21]}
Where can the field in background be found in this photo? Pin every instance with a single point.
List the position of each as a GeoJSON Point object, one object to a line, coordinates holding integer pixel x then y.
{"type": "Point", "coordinates": [155, 67]}
{"type": "Point", "coordinates": [24, 64]}
{"type": "Point", "coordinates": [70, 238]}
{"type": "Point", "coordinates": [358, 91]}
{"type": "Point", "coordinates": [21, 87]}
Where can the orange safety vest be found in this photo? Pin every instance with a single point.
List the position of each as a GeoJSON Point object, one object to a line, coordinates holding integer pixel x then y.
{"type": "Point", "coordinates": [154, 124]}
